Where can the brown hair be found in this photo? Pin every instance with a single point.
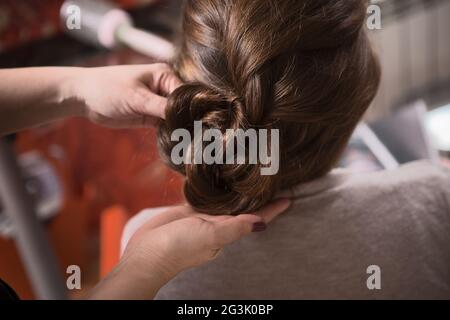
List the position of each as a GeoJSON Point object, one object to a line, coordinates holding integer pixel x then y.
{"type": "Point", "coordinates": [304, 67]}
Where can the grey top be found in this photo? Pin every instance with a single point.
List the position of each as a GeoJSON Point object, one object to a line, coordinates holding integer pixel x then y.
{"type": "Point", "coordinates": [338, 226]}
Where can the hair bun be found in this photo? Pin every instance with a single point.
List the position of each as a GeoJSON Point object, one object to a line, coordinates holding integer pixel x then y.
{"type": "Point", "coordinates": [214, 188]}
{"type": "Point", "coordinates": [197, 102]}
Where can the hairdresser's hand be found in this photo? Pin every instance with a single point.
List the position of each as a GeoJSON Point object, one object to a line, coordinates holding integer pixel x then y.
{"type": "Point", "coordinates": [124, 96]}
{"type": "Point", "coordinates": [187, 239]}
{"type": "Point", "coordinates": [174, 241]}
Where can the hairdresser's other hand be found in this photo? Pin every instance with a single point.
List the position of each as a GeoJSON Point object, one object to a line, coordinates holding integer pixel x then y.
{"type": "Point", "coordinates": [187, 239]}
{"type": "Point", "coordinates": [174, 241]}
{"type": "Point", "coordinates": [124, 96]}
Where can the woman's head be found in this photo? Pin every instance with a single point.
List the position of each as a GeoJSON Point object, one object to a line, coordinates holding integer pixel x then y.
{"type": "Point", "coordinates": [304, 67]}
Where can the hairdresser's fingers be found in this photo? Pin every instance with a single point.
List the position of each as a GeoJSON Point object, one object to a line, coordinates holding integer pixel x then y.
{"type": "Point", "coordinates": [161, 79]}
{"type": "Point", "coordinates": [211, 218]}
{"type": "Point", "coordinates": [142, 101]}
{"type": "Point", "coordinates": [268, 213]}
{"type": "Point", "coordinates": [231, 230]}
{"type": "Point", "coordinates": [173, 214]}
{"type": "Point", "coordinates": [273, 209]}
{"type": "Point", "coordinates": [154, 106]}
{"type": "Point", "coordinates": [168, 83]}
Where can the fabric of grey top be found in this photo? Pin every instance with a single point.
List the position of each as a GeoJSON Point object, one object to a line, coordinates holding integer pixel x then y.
{"type": "Point", "coordinates": [339, 226]}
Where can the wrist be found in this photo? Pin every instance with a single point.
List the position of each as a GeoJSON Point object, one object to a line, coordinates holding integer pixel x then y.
{"type": "Point", "coordinates": [69, 95]}
{"type": "Point", "coordinates": [150, 265]}
{"type": "Point", "coordinates": [134, 278]}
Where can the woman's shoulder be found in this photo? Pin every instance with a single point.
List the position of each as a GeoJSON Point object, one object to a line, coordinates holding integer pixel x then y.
{"type": "Point", "coordinates": [424, 169]}
{"type": "Point", "coordinates": [420, 182]}
{"type": "Point", "coordinates": [416, 184]}
{"type": "Point", "coordinates": [419, 173]}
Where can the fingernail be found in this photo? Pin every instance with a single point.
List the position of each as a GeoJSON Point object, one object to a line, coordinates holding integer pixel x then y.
{"type": "Point", "coordinates": [259, 226]}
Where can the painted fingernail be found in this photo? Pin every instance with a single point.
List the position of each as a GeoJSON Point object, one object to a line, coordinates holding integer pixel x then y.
{"type": "Point", "coordinates": [259, 226]}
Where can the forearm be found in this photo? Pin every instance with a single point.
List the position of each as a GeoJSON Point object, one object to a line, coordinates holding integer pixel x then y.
{"type": "Point", "coordinates": [129, 281]}
{"type": "Point", "coordinates": [33, 96]}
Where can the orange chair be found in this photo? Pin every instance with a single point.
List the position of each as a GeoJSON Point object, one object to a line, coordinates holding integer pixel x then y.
{"type": "Point", "coordinates": [112, 224]}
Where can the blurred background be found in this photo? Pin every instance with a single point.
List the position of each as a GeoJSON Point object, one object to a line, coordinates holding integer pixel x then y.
{"type": "Point", "coordinates": [86, 181]}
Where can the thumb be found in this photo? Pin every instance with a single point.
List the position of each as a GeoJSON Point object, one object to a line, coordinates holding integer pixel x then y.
{"type": "Point", "coordinates": [154, 105]}
{"type": "Point", "coordinates": [168, 83]}
{"type": "Point", "coordinates": [161, 79]}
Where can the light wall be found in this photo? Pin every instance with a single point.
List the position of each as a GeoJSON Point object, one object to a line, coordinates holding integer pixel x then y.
{"type": "Point", "coordinates": [415, 55]}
